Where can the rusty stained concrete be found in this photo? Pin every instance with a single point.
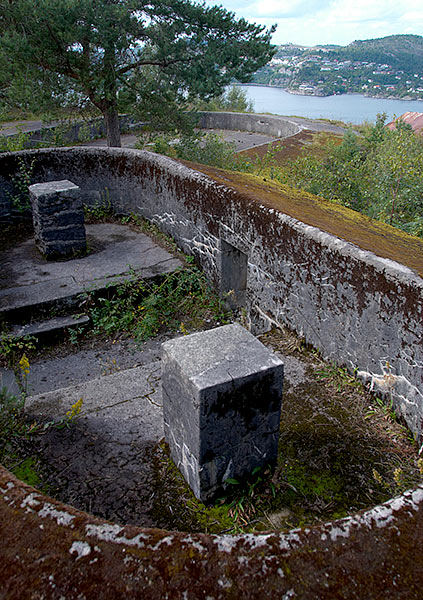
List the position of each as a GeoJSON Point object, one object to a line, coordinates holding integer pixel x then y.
{"type": "Point", "coordinates": [55, 551]}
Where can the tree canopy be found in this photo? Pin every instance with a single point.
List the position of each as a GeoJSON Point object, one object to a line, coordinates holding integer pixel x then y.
{"type": "Point", "coordinates": [100, 47]}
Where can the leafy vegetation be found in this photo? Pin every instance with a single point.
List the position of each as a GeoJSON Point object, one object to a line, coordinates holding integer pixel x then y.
{"type": "Point", "coordinates": [379, 173]}
{"type": "Point", "coordinates": [206, 148]}
{"type": "Point", "coordinates": [112, 55]}
{"type": "Point", "coordinates": [181, 301]}
{"type": "Point", "coordinates": [233, 99]}
{"type": "Point", "coordinates": [19, 197]}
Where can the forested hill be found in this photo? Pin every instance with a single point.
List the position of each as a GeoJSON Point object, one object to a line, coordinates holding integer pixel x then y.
{"type": "Point", "coordinates": [403, 52]}
{"type": "Point", "coordinates": [386, 67]}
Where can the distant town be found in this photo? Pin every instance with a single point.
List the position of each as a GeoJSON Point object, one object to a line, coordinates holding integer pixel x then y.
{"type": "Point", "coordinates": [328, 70]}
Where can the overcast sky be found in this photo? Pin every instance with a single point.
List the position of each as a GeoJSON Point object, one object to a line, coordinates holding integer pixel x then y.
{"type": "Point", "coordinates": [311, 22]}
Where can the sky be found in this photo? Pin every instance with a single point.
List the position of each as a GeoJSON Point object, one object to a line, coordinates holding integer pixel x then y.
{"type": "Point", "coordinates": [311, 22]}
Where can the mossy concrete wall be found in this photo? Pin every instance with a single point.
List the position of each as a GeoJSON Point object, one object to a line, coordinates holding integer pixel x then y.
{"type": "Point", "coordinates": [350, 286]}
{"type": "Point", "coordinates": [359, 301]}
{"type": "Point", "coordinates": [69, 132]}
{"type": "Point", "coordinates": [49, 550]}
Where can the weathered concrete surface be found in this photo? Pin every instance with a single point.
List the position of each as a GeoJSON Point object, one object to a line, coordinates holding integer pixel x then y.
{"type": "Point", "coordinates": [135, 390]}
{"type": "Point", "coordinates": [222, 393]}
{"type": "Point", "coordinates": [49, 327]}
{"type": "Point", "coordinates": [55, 551]}
{"type": "Point", "coordinates": [104, 460]}
{"type": "Point", "coordinates": [117, 252]}
{"type": "Point", "coordinates": [84, 365]}
{"type": "Point", "coordinates": [272, 125]}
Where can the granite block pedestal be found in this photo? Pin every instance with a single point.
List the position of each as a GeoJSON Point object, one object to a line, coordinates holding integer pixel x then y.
{"type": "Point", "coordinates": [222, 393]}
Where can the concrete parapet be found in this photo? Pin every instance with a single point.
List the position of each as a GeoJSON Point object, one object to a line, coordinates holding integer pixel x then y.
{"type": "Point", "coordinates": [58, 219]}
{"type": "Point", "coordinates": [49, 550]}
{"type": "Point", "coordinates": [222, 392]}
{"type": "Point", "coordinates": [279, 127]}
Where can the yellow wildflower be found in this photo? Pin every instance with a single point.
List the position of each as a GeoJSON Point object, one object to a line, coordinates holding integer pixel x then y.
{"type": "Point", "coordinates": [75, 410]}
{"type": "Point", "coordinates": [377, 476]}
{"type": "Point", "coordinates": [398, 476]}
{"type": "Point", "coordinates": [24, 365]}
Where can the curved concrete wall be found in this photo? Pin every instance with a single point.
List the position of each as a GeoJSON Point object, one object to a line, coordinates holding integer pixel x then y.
{"type": "Point", "coordinates": [356, 307]}
{"type": "Point", "coordinates": [49, 550]}
{"type": "Point", "coordinates": [267, 124]}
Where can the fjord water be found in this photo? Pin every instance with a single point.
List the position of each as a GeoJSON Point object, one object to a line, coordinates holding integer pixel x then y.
{"type": "Point", "coordinates": [350, 108]}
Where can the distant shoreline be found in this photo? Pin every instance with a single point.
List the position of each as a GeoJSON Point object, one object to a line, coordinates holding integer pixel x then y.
{"type": "Point", "coordinates": [299, 93]}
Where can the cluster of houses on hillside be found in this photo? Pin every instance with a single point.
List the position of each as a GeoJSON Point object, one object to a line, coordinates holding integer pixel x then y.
{"type": "Point", "coordinates": [321, 74]}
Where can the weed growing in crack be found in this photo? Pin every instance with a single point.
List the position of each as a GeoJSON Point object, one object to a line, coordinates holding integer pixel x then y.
{"type": "Point", "coordinates": [20, 198]}
{"type": "Point", "coordinates": [142, 309]}
{"type": "Point", "coordinates": [101, 211]}
{"type": "Point", "coordinates": [69, 419]}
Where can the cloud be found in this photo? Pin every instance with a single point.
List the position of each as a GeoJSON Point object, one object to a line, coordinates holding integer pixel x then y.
{"type": "Point", "coordinates": [311, 22]}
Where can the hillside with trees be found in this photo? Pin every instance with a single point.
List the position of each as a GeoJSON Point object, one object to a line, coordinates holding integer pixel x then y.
{"type": "Point", "coordinates": [389, 67]}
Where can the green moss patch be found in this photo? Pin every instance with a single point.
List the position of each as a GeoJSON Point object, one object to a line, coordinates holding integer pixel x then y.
{"type": "Point", "coordinates": [367, 233]}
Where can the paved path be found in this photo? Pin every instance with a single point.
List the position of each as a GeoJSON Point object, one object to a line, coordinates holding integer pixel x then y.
{"type": "Point", "coordinates": [14, 127]}
{"type": "Point", "coordinates": [317, 125]}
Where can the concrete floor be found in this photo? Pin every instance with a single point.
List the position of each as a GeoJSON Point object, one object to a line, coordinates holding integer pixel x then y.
{"type": "Point", "coordinates": [28, 279]}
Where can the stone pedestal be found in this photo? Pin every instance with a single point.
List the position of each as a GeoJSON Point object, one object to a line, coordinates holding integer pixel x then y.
{"type": "Point", "coordinates": [58, 219]}
{"type": "Point", "coordinates": [222, 392]}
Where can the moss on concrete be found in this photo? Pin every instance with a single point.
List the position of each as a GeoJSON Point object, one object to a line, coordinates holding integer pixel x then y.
{"type": "Point", "coordinates": [368, 234]}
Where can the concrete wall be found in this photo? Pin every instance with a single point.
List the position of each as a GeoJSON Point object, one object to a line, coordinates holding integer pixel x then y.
{"type": "Point", "coordinates": [49, 551]}
{"type": "Point", "coordinates": [360, 310]}
{"type": "Point", "coordinates": [70, 132]}
{"type": "Point", "coordinates": [266, 124]}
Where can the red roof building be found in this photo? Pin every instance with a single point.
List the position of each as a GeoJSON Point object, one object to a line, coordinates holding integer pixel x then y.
{"type": "Point", "coordinates": [415, 119]}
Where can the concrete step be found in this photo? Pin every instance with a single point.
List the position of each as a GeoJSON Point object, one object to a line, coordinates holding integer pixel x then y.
{"type": "Point", "coordinates": [74, 364]}
{"type": "Point", "coordinates": [123, 405]}
{"type": "Point", "coordinates": [31, 287]}
{"type": "Point", "coordinates": [50, 328]}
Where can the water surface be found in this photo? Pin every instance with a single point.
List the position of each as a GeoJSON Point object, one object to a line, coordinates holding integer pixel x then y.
{"type": "Point", "coordinates": [350, 108]}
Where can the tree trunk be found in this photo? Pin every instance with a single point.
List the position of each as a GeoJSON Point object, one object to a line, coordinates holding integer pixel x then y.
{"type": "Point", "coordinates": [111, 120]}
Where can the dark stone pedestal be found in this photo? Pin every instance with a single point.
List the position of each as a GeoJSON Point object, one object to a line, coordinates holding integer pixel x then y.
{"type": "Point", "coordinates": [222, 393]}
{"type": "Point", "coordinates": [58, 219]}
